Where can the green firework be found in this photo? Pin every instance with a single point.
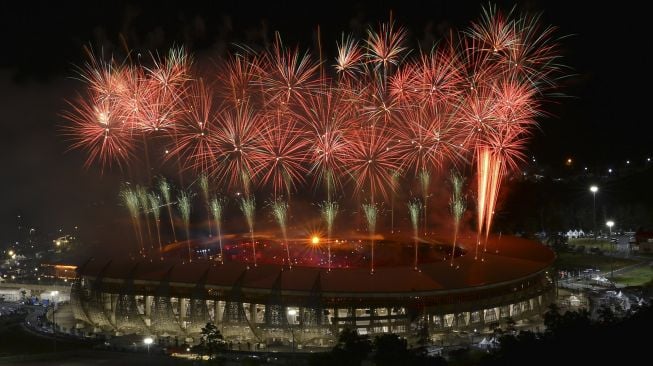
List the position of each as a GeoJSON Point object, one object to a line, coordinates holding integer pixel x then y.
{"type": "Point", "coordinates": [371, 212]}
{"type": "Point", "coordinates": [217, 209]}
{"type": "Point", "coordinates": [130, 199]}
{"type": "Point", "coordinates": [155, 208]}
{"type": "Point", "coordinates": [164, 188]}
{"type": "Point", "coordinates": [248, 206]}
{"type": "Point", "coordinates": [183, 202]}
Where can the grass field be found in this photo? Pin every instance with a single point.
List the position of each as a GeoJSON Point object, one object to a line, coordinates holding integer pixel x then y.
{"type": "Point", "coordinates": [576, 261]}
{"type": "Point", "coordinates": [637, 277]}
{"type": "Point", "coordinates": [588, 243]}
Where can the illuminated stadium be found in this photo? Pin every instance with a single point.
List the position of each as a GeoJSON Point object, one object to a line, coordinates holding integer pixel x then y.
{"type": "Point", "coordinates": [386, 140]}
{"type": "Point", "coordinates": [310, 305]}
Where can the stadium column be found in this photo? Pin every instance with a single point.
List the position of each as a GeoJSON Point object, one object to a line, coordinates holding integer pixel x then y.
{"type": "Point", "coordinates": [252, 313]}
{"type": "Point", "coordinates": [114, 305]}
{"type": "Point", "coordinates": [183, 304]}
{"type": "Point", "coordinates": [148, 305]}
{"type": "Point", "coordinates": [218, 311]}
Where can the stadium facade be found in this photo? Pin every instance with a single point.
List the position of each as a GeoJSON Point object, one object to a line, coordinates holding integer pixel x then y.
{"type": "Point", "coordinates": [310, 306]}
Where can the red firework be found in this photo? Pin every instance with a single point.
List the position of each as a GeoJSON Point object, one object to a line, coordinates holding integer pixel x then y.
{"type": "Point", "coordinates": [438, 76]}
{"type": "Point", "coordinates": [237, 139]}
{"type": "Point", "coordinates": [428, 137]}
{"type": "Point", "coordinates": [350, 55]}
{"type": "Point", "coordinates": [287, 76]}
{"type": "Point", "coordinates": [95, 127]}
{"type": "Point", "coordinates": [280, 159]}
{"type": "Point", "coordinates": [236, 79]}
{"type": "Point", "coordinates": [326, 120]}
{"type": "Point", "coordinates": [195, 135]}
{"type": "Point", "coordinates": [279, 118]}
{"type": "Point", "coordinates": [385, 46]}
{"type": "Point", "coordinates": [371, 161]}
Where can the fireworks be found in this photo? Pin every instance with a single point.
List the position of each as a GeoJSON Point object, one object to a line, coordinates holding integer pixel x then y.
{"type": "Point", "coordinates": [204, 187]}
{"type": "Point", "coordinates": [280, 213]}
{"type": "Point", "coordinates": [458, 205]}
{"type": "Point", "coordinates": [281, 156]}
{"type": "Point", "coordinates": [155, 208]}
{"type": "Point", "coordinates": [415, 208]}
{"type": "Point", "coordinates": [248, 206]}
{"type": "Point", "coordinates": [164, 187]}
{"type": "Point", "coordinates": [370, 211]}
{"type": "Point", "coordinates": [329, 212]}
{"type": "Point", "coordinates": [273, 120]}
{"type": "Point", "coordinates": [425, 182]}
{"type": "Point", "coordinates": [130, 199]}
{"type": "Point", "coordinates": [217, 208]}
{"type": "Point", "coordinates": [144, 206]}
{"type": "Point", "coordinates": [183, 202]}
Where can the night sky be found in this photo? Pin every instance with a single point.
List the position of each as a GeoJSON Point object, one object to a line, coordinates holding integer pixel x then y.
{"type": "Point", "coordinates": [600, 123]}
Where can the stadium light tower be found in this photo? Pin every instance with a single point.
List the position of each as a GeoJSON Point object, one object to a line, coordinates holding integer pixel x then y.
{"type": "Point", "coordinates": [594, 189]}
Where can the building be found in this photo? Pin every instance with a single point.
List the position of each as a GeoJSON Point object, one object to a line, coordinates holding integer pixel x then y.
{"type": "Point", "coordinates": [310, 306]}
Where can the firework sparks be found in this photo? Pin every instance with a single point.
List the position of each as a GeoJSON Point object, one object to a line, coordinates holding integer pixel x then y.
{"type": "Point", "coordinates": [184, 204]}
{"type": "Point", "coordinates": [415, 208]}
{"type": "Point", "coordinates": [280, 213]}
{"type": "Point", "coordinates": [370, 211]}
{"type": "Point", "coordinates": [458, 205]}
{"type": "Point", "coordinates": [96, 128]}
{"type": "Point", "coordinates": [237, 138]}
{"type": "Point", "coordinates": [130, 199]}
{"type": "Point", "coordinates": [425, 183]}
{"type": "Point", "coordinates": [164, 188]}
{"type": "Point", "coordinates": [194, 135]}
{"type": "Point", "coordinates": [155, 208]}
{"type": "Point", "coordinates": [281, 155]}
{"type": "Point", "coordinates": [329, 212]}
{"type": "Point", "coordinates": [274, 120]}
{"type": "Point", "coordinates": [204, 187]}
{"type": "Point", "coordinates": [372, 161]}
{"type": "Point", "coordinates": [144, 206]}
{"type": "Point", "coordinates": [248, 206]}
{"type": "Point", "coordinates": [217, 209]}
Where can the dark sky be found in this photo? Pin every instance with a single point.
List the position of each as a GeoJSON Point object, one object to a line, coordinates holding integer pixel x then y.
{"type": "Point", "coordinates": [601, 123]}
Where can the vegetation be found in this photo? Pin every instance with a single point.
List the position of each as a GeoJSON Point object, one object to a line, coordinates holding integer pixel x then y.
{"type": "Point", "coordinates": [574, 338]}
{"type": "Point", "coordinates": [386, 349]}
{"type": "Point", "coordinates": [211, 342]}
{"type": "Point", "coordinates": [637, 277]}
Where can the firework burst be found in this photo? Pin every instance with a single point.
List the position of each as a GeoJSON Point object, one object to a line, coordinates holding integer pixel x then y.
{"type": "Point", "coordinates": [415, 208]}
{"type": "Point", "coordinates": [237, 144]}
{"type": "Point", "coordinates": [164, 188]}
{"type": "Point", "coordinates": [130, 199]}
{"type": "Point", "coordinates": [280, 213]}
{"type": "Point", "coordinates": [155, 208]}
{"type": "Point", "coordinates": [370, 211]}
{"type": "Point", "coordinates": [329, 212]}
{"type": "Point", "coordinates": [275, 120]}
{"type": "Point", "coordinates": [184, 205]}
{"type": "Point", "coordinates": [458, 205]}
{"type": "Point", "coordinates": [217, 209]}
{"type": "Point", "coordinates": [248, 207]}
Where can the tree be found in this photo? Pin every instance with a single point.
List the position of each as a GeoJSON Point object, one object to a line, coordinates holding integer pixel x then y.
{"type": "Point", "coordinates": [211, 340]}
{"type": "Point", "coordinates": [389, 349]}
{"type": "Point", "coordinates": [351, 348]}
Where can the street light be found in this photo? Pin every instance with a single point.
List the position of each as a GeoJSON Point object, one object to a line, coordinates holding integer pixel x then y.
{"type": "Point", "coordinates": [148, 341]}
{"type": "Point", "coordinates": [594, 189]}
{"type": "Point", "coordinates": [610, 224]}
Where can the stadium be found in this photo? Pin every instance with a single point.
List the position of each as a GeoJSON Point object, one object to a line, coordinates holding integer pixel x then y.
{"type": "Point", "coordinates": [308, 304]}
